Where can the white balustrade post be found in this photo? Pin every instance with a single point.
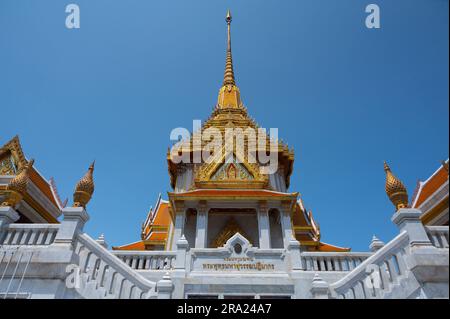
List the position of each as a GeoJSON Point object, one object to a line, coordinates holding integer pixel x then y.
{"type": "Point", "coordinates": [73, 222]}
{"type": "Point", "coordinates": [263, 226]}
{"type": "Point", "coordinates": [201, 231]}
{"type": "Point", "coordinates": [408, 219]}
{"type": "Point", "coordinates": [319, 288]}
{"type": "Point", "coordinates": [164, 287]}
{"type": "Point", "coordinates": [428, 264]}
{"type": "Point", "coordinates": [182, 247]}
{"type": "Point", "coordinates": [296, 257]}
{"type": "Point", "coordinates": [7, 216]}
{"type": "Point", "coordinates": [290, 242]}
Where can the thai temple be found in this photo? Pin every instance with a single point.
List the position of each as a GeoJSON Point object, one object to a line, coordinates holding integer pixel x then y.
{"type": "Point", "coordinates": [229, 229]}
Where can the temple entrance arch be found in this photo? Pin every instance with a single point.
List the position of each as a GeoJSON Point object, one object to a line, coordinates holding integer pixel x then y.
{"type": "Point", "coordinates": [223, 223]}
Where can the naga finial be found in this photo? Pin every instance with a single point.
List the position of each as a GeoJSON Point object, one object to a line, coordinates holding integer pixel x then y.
{"type": "Point", "coordinates": [17, 187]}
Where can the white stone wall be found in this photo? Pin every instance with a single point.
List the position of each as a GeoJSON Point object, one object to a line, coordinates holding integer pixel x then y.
{"type": "Point", "coordinates": [29, 270]}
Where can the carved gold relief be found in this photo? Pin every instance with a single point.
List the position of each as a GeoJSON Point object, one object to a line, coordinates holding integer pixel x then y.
{"type": "Point", "coordinates": [8, 166]}
{"type": "Point", "coordinates": [231, 228]}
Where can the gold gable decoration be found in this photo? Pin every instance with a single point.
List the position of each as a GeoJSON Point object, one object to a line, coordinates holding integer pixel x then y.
{"type": "Point", "coordinates": [12, 159]}
{"type": "Point", "coordinates": [7, 165]}
{"type": "Point", "coordinates": [230, 170]}
{"type": "Point", "coordinates": [227, 232]}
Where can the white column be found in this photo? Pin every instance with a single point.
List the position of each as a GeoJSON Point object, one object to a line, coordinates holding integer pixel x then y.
{"type": "Point", "coordinates": [180, 220]}
{"type": "Point", "coordinates": [201, 231]}
{"type": "Point", "coordinates": [408, 219]}
{"type": "Point", "coordinates": [263, 226]}
{"type": "Point", "coordinates": [286, 223]}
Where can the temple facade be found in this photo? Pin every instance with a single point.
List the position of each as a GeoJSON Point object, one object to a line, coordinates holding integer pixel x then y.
{"type": "Point", "coordinates": [230, 228]}
{"type": "Point", "coordinates": [210, 202]}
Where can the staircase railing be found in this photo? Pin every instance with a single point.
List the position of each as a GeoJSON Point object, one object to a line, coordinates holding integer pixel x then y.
{"type": "Point", "coordinates": [29, 234]}
{"type": "Point", "coordinates": [376, 274]}
{"type": "Point", "coordinates": [110, 277]}
{"type": "Point", "coordinates": [332, 261]}
{"type": "Point", "coordinates": [147, 260]}
{"type": "Point", "coordinates": [438, 236]}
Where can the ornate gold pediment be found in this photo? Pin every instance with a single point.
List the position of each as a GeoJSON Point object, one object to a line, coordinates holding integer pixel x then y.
{"type": "Point", "coordinates": [12, 159]}
{"type": "Point", "coordinates": [230, 170]}
{"type": "Point", "coordinates": [231, 228]}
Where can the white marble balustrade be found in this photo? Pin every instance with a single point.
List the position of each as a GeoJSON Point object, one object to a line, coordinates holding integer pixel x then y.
{"type": "Point", "coordinates": [29, 234]}
{"type": "Point", "coordinates": [331, 261]}
{"type": "Point", "coordinates": [438, 235]}
{"type": "Point", "coordinates": [106, 276]}
{"type": "Point", "coordinates": [376, 274]}
{"type": "Point", "coordinates": [147, 260]}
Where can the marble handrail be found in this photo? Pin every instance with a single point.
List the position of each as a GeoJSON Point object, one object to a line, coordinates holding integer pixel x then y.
{"type": "Point", "coordinates": [333, 261]}
{"type": "Point", "coordinates": [147, 260]}
{"type": "Point", "coordinates": [111, 277]}
{"type": "Point", "coordinates": [438, 236]}
{"type": "Point", "coordinates": [365, 283]}
{"type": "Point", "coordinates": [29, 234]}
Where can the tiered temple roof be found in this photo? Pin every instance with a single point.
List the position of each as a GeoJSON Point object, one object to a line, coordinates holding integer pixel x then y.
{"type": "Point", "coordinates": [229, 112]}
{"type": "Point", "coordinates": [431, 195]}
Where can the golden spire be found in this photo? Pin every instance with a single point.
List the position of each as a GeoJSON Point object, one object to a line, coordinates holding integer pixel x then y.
{"type": "Point", "coordinates": [84, 188]}
{"type": "Point", "coordinates": [229, 96]}
{"type": "Point", "coordinates": [228, 77]}
{"type": "Point", "coordinates": [17, 186]}
{"type": "Point", "coordinates": [395, 189]}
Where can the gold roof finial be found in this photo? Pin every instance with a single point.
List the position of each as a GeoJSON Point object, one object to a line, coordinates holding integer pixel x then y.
{"type": "Point", "coordinates": [84, 188]}
{"type": "Point", "coordinates": [17, 187]}
{"type": "Point", "coordinates": [228, 78]}
{"type": "Point", "coordinates": [229, 96]}
{"type": "Point", "coordinates": [395, 189]}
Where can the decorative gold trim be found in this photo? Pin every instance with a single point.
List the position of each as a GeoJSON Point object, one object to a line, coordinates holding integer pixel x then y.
{"type": "Point", "coordinates": [303, 228]}
{"type": "Point", "coordinates": [230, 229]}
{"type": "Point", "coordinates": [35, 206]}
{"type": "Point", "coordinates": [179, 197]}
{"type": "Point", "coordinates": [154, 242]}
{"type": "Point", "coordinates": [207, 170]}
{"type": "Point", "coordinates": [309, 243]}
{"type": "Point", "coordinates": [158, 228]}
{"type": "Point", "coordinates": [14, 148]}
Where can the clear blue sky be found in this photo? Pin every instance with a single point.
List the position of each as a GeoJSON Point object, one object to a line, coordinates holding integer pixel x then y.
{"type": "Point", "coordinates": [345, 97]}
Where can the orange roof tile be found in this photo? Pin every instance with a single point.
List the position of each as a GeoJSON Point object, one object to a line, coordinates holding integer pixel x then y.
{"type": "Point", "coordinates": [139, 245]}
{"type": "Point", "coordinates": [331, 248]}
{"type": "Point", "coordinates": [44, 186]}
{"type": "Point", "coordinates": [157, 236]}
{"type": "Point", "coordinates": [429, 187]}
